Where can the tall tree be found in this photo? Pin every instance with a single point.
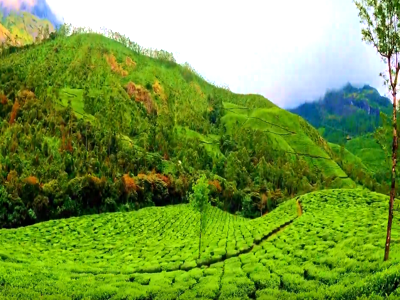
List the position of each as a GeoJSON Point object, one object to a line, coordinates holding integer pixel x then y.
{"type": "Point", "coordinates": [381, 24]}
{"type": "Point", "coordinates": [200, 201]}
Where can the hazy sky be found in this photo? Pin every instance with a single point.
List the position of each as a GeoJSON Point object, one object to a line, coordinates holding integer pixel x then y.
{"type": "Point", "coordinates": [288, 51]}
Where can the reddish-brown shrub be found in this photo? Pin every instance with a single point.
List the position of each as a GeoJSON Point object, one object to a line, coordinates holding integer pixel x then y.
{"type": "Point", "coordinates": [141, 95]}
{"type": "Point", "coordinates": [26, 95]}
{"type": "Point", "coordinates": [12, 176]}
{"type": "Point", "coordinates": [215, 183]}
{"type": "Point", "coordinates": [163, 178]}
{"type": "Point", "coordinates": [158, 89]}
{"type": "Point", "coordinates": [130, 88]}
{"type": "Point", "coordinates": [129, 183]}
{"type": "Point", "coordinates": [3, 99]}
{"type": "Point", "coordinates": [32, 180]}
{"type": "Point", "coordinates": [14, 111]}
{"type": "Point", "coordinates": [130, 62]}
{"type": "Point", "coordinates": [115, 66]}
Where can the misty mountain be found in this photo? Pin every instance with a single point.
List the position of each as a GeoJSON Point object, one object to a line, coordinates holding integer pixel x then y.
{"type": "Point", "coordinates": [345, 113]}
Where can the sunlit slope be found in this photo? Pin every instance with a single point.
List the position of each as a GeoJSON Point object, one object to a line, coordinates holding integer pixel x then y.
{"type": "Point", "coordinates": [100, 71]}
{"type": "Point", "coordinates": [370, 152]}
{"type": "Point", "coordinates": [333, 249]}
{"type": "Point", "coordinates": [287, 133]}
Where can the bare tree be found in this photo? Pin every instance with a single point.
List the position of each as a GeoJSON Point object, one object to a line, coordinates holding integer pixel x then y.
{"type": "Point", "coordinates": [381, 23]}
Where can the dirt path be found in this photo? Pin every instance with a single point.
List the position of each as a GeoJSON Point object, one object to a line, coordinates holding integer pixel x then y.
{"type": "Point", "coordinates": [299, 208]}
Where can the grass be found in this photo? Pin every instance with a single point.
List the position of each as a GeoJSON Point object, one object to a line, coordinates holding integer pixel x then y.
{"type": "Point", "coordinates": [368, 150]}
{"type": "Point", "coordinates": [287, 134]}
{"type": "Point", "coordinates": [210, 141]}
{"type": "Point", "coordinates": [150, 240]}
{"type": "Point", "coordinates": [334, 250]}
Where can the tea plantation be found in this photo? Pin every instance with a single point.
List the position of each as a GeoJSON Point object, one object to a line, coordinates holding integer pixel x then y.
{"type": "Point", "coordinates": [330, 247]}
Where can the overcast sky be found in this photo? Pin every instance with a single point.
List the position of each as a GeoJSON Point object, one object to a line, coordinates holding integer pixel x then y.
{"type": "Point", "coordinates": [289, 51]}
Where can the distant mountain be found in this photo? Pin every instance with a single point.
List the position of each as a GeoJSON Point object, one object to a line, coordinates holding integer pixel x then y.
{"type": "Point", "coordinates": [350, 111]}
{"type": "Point", "coordinates": [21, 23]}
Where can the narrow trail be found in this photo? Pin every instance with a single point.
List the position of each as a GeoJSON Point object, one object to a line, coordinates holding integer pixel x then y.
{"type": "Point", "coordinates": [299, 208]}
{"type": "Point", "coordinates": [303, 154]}
{"type": "Point", "coordinates": [288, 132]}
{"type": "Point", "coordinates": [270, 123]}
{"type": "Point", "coordinates": [299, 214]}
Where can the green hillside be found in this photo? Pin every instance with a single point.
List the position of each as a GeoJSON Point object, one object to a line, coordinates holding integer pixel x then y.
{"type": "Point", "coordinates": [92, 124]}
{"type": "Point", "coordinates": [325, 245]}
{"type": "Point", "coordinates": [370, 152]}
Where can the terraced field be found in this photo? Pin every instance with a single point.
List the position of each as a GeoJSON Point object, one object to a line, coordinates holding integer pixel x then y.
{"type": "Point", "coordinates": [331, 249]}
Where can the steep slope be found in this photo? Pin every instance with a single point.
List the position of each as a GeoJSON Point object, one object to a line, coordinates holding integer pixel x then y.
{"type": "Point", "coordinates": [89, 125]}
{"type": "Point", "coordinates": [349, 111]}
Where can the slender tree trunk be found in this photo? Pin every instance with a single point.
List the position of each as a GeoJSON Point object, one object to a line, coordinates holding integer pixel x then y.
{"type": "Point", "coordinates": [393, 185]}
{"type": "Point", "coordinates": [201, 228]}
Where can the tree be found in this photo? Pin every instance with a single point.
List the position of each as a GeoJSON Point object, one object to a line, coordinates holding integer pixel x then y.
{"type": "Point", "coordinates": [200, 202]}
{"type": "Point", "coordinates": [381, 24]}
{"type": "Point", "coordinates": [262, 203]}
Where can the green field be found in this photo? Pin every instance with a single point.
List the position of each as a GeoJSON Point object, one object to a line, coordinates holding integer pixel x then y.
{"type": "Point", "coordinates": [369, 151]}
{"type": "Point", "coordinates": [332, 250]}
{"type": "Point", "coordinates": [287, 133]}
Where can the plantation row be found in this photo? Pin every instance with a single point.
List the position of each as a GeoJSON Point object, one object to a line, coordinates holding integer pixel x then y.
{"type": "Point", "coordinates": [333, 251]}
{"type": "Point", "coordinates": [150, 240]}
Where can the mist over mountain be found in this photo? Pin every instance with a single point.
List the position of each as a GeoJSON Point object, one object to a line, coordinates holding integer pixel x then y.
{"type": "Point", "coordinates": [350, 111]}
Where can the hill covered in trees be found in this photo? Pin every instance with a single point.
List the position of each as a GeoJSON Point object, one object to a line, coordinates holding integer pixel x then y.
{"type": "Point", "coordinates": [94, 124]}
{"type": "Point", "coordinates": [346, 113]}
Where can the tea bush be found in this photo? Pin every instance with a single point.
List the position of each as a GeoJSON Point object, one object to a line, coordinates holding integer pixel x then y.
{"type": "Point", "coordinates": [334, 250]}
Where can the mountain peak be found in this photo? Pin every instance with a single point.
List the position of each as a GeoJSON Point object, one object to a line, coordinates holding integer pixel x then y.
{"type": "Point", "coordinates": [352, 110]}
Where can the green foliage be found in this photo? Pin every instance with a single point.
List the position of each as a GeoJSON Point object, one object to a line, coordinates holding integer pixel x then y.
{"type": "Point", "coordinates": [101, 108]}
{"type": "Point", "coordinates": [346, 113]}
{"type": "Point", "coordinates": [332, 251]}
{"type": "Point", "coordinates": [200, 201]}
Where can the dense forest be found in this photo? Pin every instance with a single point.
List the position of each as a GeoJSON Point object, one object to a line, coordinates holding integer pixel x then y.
{"type": "Point", "coordinates": [93, 124]}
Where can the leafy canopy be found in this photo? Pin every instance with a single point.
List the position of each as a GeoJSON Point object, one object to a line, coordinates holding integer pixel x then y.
{"type": "Point", "coordinates": [199, 198]}
{"type": "Point", "coordinates": [381, 29]}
